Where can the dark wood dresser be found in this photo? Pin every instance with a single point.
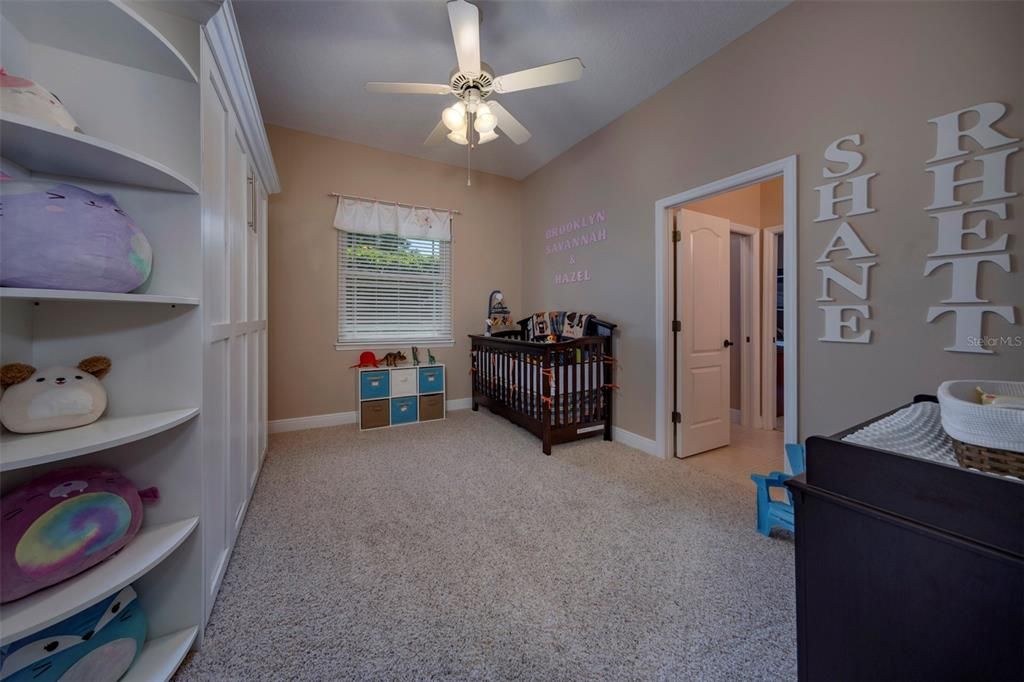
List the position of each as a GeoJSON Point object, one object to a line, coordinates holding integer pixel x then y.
{"type": "Point", "coordinates": [906, 569]}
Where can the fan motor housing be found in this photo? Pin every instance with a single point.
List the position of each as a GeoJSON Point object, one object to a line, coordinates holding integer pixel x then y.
{"type": "Point", "coordinates": [462, 83]}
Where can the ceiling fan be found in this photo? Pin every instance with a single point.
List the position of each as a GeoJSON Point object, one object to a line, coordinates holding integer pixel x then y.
{"type": "Point", "coordinates": [473, 83]}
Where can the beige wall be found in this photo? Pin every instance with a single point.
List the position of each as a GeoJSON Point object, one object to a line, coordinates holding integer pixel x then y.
{"type": "Point", "coordinates": [307, 375]}
{"type": "Point", "coordinates": [810, 74]}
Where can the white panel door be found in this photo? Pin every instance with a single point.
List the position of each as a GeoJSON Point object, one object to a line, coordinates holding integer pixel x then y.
{"type": "Point", "coordinates": [216, 133]}
{"type": "Point", "coordinates": [234, 292]}
{"type": "Point", "coordinates": [238, 216]}
{"type": "Point", "coordinates": [703, 365]}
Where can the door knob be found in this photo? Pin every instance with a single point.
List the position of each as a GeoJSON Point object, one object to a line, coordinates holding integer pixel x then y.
{"type": "Point", "coordinates": [726, 343]}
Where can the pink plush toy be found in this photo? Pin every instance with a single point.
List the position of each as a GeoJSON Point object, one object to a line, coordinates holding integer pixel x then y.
{"type": "Point", "coordinates": [64, 522]}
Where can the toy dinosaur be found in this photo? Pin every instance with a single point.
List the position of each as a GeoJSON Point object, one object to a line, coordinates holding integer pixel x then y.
{"type": "Point", "coordinates": [415, 355]}
{"type": "Point", "coordinates": [430, 358]}
{"type": "Point", "coordinates": [392, 359]}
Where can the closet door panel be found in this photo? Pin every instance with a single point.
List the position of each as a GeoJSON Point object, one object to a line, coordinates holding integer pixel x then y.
{"type": "Point", "coordinates": [238, 489]}
{"type": "Point", "coordinates": [216, 134]}
{"type": "Point", "coordinates": [252, 422]}
{"type": "Point", "coordinates": [216, 424]}
{"type": "Point", "coordinates": [238, 198]}
{"type": "Point", "coordinates": [262, 226]}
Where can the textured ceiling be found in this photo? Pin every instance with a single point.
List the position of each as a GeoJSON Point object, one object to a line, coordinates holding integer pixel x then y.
{"type": "Point", "coordinates": [310, 60]}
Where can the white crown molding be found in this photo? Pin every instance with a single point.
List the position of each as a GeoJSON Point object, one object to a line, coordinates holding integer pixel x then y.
{"type": "Point", "coordinates": [226, 47]}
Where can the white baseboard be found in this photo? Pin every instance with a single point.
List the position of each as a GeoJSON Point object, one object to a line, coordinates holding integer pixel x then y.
{"type": "Point", "coordinates": [317, 421]}
{"type": "Point", "coordinates": [736, 415]}
{"type": "Point", "coordinates": [321, 421]}
{"type": "Point", "coordinates": [633, 440]}
{"type": "Point", "coordinates": [460, 404]}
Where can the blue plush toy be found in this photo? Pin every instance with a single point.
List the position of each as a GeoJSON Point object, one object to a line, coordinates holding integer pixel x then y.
{"type": "Point", "coordinates": [98, 644]}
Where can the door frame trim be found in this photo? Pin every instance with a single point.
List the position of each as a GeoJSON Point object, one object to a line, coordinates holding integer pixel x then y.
{"type": "Point", "coordinates": [768, 331]}
{"type": "Point", "coordinates": [785, 167]}
{"type": "Point", "coordinates": [750, 324]}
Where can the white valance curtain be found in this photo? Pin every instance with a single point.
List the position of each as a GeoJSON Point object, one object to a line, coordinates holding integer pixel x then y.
{"type": "Point", "coordinates": [362, 216]}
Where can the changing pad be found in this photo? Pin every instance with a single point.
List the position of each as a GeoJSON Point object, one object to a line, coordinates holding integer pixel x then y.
{"type": "Point", "coordinates": [916, 430]}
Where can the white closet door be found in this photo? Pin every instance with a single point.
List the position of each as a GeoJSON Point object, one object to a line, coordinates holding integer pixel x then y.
{"type": "Point", "coordinates": [238, 477]}
{"type": "Point", "coordinates": [262, 225]}
{"type": "Point", "coordinates": [216, 132]}
{"type": "Point", "coordinates": [234, 292]}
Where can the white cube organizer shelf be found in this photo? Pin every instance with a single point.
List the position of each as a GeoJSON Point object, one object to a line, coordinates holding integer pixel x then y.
{"type": "Point", "coordinates": [395, 396]}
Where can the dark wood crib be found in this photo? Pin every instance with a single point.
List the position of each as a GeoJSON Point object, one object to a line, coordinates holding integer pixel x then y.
{"type": "Point", "coordinates": [559, 391]}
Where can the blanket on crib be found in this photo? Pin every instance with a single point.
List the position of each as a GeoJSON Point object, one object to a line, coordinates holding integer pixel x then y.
{"type": "Point", "coordinates": [563, 324]}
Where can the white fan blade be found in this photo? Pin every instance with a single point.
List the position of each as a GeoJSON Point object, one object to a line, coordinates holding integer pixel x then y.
{"type": "Point", "coordinates": [409, 88]}
{"type": "Point", "coordinates": [465, 20]}
{"type": "Point", "coordinates": [508, 123]}
{"type": "Point", "coordinates": [540, 76]}
{"type": "Point", "coordinates": [437, 135]}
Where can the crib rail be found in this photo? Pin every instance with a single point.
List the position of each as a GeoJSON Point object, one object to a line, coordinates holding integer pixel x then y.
{"type": "Point", "coordinates": [559, 391]}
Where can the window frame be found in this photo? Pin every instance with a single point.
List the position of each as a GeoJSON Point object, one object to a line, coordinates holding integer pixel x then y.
{"type": "Point", "coordinates": [364, 343]}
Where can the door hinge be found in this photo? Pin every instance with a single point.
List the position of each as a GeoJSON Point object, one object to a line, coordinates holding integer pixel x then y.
{"type": "Point", "coordinates": [677, 418]}
{"type": "Point", "coordinates": [677, 326]}
{"type": "Point", "coordinates": [677, 236]}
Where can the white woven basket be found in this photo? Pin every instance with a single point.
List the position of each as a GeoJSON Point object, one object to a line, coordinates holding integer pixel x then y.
{"type": "Point", "coordinates": [967, 420]}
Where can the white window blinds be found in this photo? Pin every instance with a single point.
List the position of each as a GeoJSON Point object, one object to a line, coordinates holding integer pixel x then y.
{"type": "Point", "coordinates": [393, 289]}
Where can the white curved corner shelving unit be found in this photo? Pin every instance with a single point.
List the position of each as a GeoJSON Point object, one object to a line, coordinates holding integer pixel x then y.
{"type": "Point", "coordinates": [86, 28]}
{"type": "Point", "coordinates": [19, 450]}
{"type": "Point", "coordinates": [42, 609]}
{"type": "Point", "coordinates": [19, 294]}
{"type": "Point", "coordinates": [54, 151]}
{"type": "Point", "coordinates": [161, 656]}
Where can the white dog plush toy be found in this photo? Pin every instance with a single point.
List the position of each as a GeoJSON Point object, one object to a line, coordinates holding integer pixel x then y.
{"type": "Point", "coordinates": [55, 398]}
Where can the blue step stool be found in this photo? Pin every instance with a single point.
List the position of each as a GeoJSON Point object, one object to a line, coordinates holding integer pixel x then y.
{"type": "Point", "coordinates": [773, 513]}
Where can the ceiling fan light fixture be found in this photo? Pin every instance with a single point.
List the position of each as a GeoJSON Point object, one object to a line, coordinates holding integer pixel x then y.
{"type": "Point", "coordinates": [485, 123]}
{"type": "Point", "coordinates": [459, 136]}
{"type": "Point", "coordinates": [453, 118]}
{"type": "Point", "coordinates": [489, 136]}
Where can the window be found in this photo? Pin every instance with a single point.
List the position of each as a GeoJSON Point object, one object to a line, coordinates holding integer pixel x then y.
{"type": "Point", "coordinates": [393, 289]}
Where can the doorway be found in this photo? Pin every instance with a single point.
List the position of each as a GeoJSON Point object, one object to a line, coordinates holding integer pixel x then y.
{"type": "Point", "coordinates": [719, 349]}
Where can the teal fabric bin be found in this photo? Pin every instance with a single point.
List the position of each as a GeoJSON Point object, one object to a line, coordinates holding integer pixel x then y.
{"type": "Point", "coordinates": [431, 379]}
{"type": "Point", "coordinates": [375, 384]}
{"type": "Point", "coordinates": [403, 410]}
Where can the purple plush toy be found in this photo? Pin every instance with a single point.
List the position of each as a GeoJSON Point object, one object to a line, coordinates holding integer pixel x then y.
{"type": "Point", "coordinates": [64, 522]}
{"type": "Point", "coordinates": [57, 236]}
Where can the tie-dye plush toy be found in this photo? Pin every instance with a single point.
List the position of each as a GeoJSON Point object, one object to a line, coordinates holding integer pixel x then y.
{"type": "Point", "coordinates": [97, 644]}
{"type": "Point", "coordinates": [58, 236]}
{"type": "Point", "coordinates": [62, 523]}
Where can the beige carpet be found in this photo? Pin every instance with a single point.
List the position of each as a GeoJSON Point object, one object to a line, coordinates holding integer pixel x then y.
{"type": "Point", "coordinates": [458, 550]}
